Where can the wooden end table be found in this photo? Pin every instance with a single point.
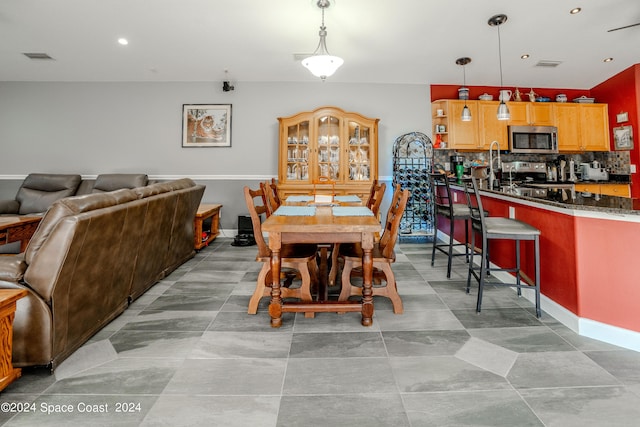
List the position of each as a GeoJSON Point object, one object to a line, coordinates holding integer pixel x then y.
{"type": "Point", "coordinates": [18, 228]}
{"type": "Point", "coordinates": [206, 211]}
{"type": "Point", "coordinates": [8, 298]}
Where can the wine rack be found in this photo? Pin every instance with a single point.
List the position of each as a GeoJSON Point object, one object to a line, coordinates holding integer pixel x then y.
{"type": "Point", "coordinates": [412, 163]}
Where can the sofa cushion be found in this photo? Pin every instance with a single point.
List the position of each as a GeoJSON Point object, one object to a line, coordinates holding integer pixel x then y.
{"type": "Point", "coordinates": [39, 190]}
{"type": "Point", "coordinates": [116, 181]}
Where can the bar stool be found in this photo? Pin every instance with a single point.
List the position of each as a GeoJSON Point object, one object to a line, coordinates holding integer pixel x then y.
{"type": "Point", "coordinates": [443, 206]}
{"type": "Point", "coordinates": [499, 228]}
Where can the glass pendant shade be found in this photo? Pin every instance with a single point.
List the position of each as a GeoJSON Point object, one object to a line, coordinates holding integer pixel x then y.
{"type": "Point", "coordinates": [322, 66]}
{"type": "Point", "coordinates": [466, 114]}
{"type": "Point", "coordinates": [503, 111]}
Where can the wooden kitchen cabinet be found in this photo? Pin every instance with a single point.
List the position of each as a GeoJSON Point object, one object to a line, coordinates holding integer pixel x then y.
{"type": "Point", "coordinates": [620, 190]}
{"type": "Point", "coordinates": [531, 114]}
{"type": "Point", "coordinates": [582, 127]}
{"type": "Point", "coordinates": [474, 135]}
{"type": "Point", "coordinates": [489, 127]}
{"type": "Point", "coordinates": [328, 142]}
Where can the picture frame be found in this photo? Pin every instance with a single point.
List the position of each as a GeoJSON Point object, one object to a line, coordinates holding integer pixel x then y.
{"type": "Point", "coordinates": [206, 125]}
{"type": "Point", "coordinates": [623, 137]}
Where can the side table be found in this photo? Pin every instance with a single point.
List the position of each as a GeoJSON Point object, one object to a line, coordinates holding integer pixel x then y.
{"type": "Point", "coordinates": [202, 237]}
{"type": "Point", "coordinates": [8, 298]}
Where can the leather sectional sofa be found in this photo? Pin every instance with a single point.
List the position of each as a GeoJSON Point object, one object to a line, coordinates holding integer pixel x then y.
{"type": "Point", "coordinates": [39, 190]}
{"type": "Point", "coordinates": [89, 258]}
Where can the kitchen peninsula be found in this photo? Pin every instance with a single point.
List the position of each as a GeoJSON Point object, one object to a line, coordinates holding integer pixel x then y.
{"type": "Point", "coordinates": [589, 255]}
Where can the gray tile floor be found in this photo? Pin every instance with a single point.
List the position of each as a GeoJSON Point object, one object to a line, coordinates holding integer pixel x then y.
{"type": "Point", "coordinates": [187, 354]}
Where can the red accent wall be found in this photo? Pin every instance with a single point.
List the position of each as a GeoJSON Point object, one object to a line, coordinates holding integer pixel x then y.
{"type": "Point", "coordinates": [622, 93]}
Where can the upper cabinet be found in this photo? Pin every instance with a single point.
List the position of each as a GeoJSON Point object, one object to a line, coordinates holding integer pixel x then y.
{"type": "Point", "coordinates": [473, 135]}
{"type": "Point", "coordinates": [531, 114]}
{"type": "Point", "coordinates": [581, 127]}
{"type": "Point", "coordinates": [328, 142]}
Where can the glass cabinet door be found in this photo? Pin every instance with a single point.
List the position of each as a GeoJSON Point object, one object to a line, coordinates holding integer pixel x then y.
{"type": "Point", "coordinates": [359, 152]}
{"type": "Point", "coordinates": [298, 152]}
{"type": "Point", "coordinates": [328, 147]}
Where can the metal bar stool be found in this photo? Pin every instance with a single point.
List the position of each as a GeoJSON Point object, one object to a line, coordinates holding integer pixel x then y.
{"type": "Point", "coordinates": [443, 206]}
{"type": "Point", "coordinates": [499, 228]}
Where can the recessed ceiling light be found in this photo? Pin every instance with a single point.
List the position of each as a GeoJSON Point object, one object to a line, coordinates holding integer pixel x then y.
{"type": "Point", "coordinates": [123, 41]}
{"type": "Point", "coordinates": [575, 10]}
{"type": "Point", "coordinates": [608, 59]}
{"type": "Point", "coordinates": [525, 56]}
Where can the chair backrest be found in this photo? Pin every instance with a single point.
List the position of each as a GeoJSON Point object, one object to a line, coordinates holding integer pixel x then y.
{"type": "Point", "coordinates": [268, 199]}
{"type": "Point", "coordinates": [442, 200]}
{"type": "Point", "coordinates": [375, 196]}
{"type": "Point", "coordinates": [255, 211]}
{"type": "Point", "coordinates": [475, 203]}
{"type": "Point", "coordinates": [274, 189]}
{"type": "Point", "coordinates": [39, 190]}
{"type": "Point", "coordinates": [392, 223]}
{"type": "Point", "coordinates": [324, 185]}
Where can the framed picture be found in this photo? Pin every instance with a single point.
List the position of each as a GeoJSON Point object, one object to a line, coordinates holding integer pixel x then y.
{"type": "Point", "coordinates": [206, 125]}
{"type": "Point", "coordinates": [623, 137]}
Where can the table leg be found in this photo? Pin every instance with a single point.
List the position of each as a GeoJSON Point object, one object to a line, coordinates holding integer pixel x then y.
{"type": "Point", "coordinates": [275, 306]}
{"type": "Point", "coordinates": [367, 292]}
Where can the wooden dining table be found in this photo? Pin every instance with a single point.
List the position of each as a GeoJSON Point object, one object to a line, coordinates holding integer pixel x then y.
{"type": "Point", "coordinates": [321, 225]}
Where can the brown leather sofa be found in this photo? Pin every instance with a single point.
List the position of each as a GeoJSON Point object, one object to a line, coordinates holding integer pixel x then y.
{"type": "Point", "coordinates": [38, 191]}
{"type": "Point", "coordinates": [89, 258]}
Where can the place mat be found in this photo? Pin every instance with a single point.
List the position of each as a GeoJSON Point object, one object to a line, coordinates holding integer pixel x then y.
{"type": "Point", "coordinates": [351, 211]}
{"type": "Point", "coordinates": [295, 211]}
{"type": "Point", "coordinates": [348, 198]}
{"type": "Point", "coordinates": [299, 198]}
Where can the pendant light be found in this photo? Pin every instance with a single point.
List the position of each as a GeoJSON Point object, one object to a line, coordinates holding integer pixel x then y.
{"type": "Point", "coordinates": [496, 21]}
{"type": "Point", "coordinates": [466, 113]}
{"type": "Point", "coordinates": [321, 63]}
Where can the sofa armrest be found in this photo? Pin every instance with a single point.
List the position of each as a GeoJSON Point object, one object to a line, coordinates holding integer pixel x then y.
{"type": "Point", "coordinates": [12, 268]}
{"type": "Point", "coordinates": [9, 206]}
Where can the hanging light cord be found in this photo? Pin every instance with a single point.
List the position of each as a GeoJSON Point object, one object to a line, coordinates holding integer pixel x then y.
{"type": "Point", "coordinates": [500, 56]}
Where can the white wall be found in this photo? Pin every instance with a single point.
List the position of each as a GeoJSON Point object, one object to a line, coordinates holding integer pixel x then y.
{"type": "Point", "coordinates": [92, 128]}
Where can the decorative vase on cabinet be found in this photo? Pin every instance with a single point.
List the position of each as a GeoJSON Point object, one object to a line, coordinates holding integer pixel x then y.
{"type": "Point", "coordinates": [327, 142]}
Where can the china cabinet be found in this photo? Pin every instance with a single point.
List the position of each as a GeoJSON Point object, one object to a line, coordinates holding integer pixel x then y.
{"type": "Point", "coordinates": [327, 142]}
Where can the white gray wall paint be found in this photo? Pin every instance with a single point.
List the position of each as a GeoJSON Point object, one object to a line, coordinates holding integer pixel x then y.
{"type": "Point", "coordinates": [93, 128]}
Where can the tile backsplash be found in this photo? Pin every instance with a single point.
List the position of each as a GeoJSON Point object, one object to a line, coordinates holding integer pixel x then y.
{"type": "Point", "coordinates": [616, 162]}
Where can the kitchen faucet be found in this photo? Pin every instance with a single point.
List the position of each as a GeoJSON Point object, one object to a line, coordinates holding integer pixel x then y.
{"type": "Point", "coordinates": [492, 176]}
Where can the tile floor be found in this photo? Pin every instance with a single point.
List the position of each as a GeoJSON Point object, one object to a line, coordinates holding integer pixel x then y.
{"type": "Point", "coordinates": [187, 354]}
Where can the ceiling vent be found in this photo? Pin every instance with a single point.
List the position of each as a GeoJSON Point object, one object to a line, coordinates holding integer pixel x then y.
{"type": "Point", "coordinates": [38, 56]}
{"type": "Point", "coordinates": [548, 64]}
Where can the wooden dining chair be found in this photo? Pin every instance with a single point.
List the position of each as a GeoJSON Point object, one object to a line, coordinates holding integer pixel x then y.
{"type": "Point", "coordinates": [269, 198]}
{"type": "Point", "coordinates": [324, 185]}
{"type": "Point", "coordinates": [298, 257]}
{"type": "Point", "coordinates": [373, 202]}
{"type": "Point", "coordinates": [383, 256]}
{"type": "Point", "coordinates": [375, 196]}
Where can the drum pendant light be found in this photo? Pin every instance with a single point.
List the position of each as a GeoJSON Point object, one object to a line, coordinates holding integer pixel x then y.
{"type": "Point", "coordinates": [466, 114]}
{"type": "Point", "coordinates": [496, 21]}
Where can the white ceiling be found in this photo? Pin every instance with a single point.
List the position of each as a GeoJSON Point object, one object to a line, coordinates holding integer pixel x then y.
{"type": "Point", "coordinates": [381, 41]}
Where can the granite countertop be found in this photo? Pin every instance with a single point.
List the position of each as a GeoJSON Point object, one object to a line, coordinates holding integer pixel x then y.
{"type": "Point", "coordinates": [609, 204]}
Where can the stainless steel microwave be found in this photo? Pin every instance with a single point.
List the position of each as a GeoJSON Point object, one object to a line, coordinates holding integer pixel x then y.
{"type": "Point", "coordinates": [533, 139]}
